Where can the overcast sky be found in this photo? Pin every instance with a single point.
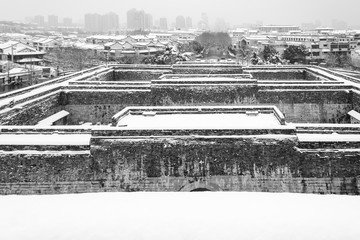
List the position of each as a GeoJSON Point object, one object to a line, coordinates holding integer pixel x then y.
{"type": "Point", "coordinates": [233, 11]}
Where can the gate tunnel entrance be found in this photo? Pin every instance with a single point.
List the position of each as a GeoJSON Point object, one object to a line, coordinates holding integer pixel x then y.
{"type": "Point", "coordinates": [200, 190]}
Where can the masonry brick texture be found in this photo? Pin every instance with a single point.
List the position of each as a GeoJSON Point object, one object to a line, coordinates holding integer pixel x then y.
{"type": "Point", "coordinates": [182, 164]}
{"type": "Point", "coordinates": [251, 164]}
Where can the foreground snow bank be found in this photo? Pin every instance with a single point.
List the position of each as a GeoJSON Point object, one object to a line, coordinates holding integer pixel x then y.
{"type": "Point", "coordinates": [172, 216]}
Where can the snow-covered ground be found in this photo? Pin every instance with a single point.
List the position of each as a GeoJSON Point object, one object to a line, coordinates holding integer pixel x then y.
{"type": "Point", "coordinates": [199, 121]}
{"type": "Point", "coordinates": [173, 216]}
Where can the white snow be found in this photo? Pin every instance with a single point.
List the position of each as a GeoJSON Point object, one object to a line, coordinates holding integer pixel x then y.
{"type": "Point", "coordinates": [53, 118]}
{"type": "Point", "coordinates": [199, 121]}
{"type": "Point", "coordinates": [175, 216]}
{"type": "Point", "coordinates": [354, 114]}
{"type": "Point", "coordinates": [35, 152]}
{"type": "Point", "coordinates": [45, 139]}
{"type": "Point", "coordinates": [334, 137]}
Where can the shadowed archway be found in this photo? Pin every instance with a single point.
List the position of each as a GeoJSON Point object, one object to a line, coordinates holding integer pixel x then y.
{"type": "Point", "coordinates": [200, 187]}
{"type": "Point", "coordinates": [200, 190]}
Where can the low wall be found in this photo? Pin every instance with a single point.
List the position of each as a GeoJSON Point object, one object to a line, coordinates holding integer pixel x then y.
{"type": "Point", "coordinates": [297, 105]}
{"type": "Point", "coordinates": [347, 186]}
{"type": "Point", "coordinates": [310, 106]}
{"type": "Point", "coordinates": [45, 167]}
{"type": "Point", "coordinates": [128, 75]}
{"type": "Point", "coordinates": [32, 112]}
{"type": "Point", "coordinates": [282, 74]}
{"type": "Point", "coordinates": [175, 164]}
{"type": "Point", "coordinates": [302, 105]}
{"type": "Point", "coordinates": [207, 69]}
{"type": "Point", "coordinates": [97, 107]}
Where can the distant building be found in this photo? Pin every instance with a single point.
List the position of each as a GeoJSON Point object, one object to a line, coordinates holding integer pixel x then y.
{"type": "Point", "coordinates": [39, 20]}
{"type": "Point", "coordinates": [92, 22]}
{"type": "Point", "coordinates": [132, 19]}
{"type": "Point", "coordinates": [137, 19]}
{"type": "Point", "coordinates": [67, 22]}
{"type": "Point", "coordinates": [163, 24]}
{"type": "Point", "coordinates": [189, 23]}
{"type": "Point", "coordinates": [279, 29]}
{"type": "Point", "coordinates": [148, 21]}
{"type": "Point", "coordinates": [204, 18]}
{"type": "Point", "coordinates": [109, 21]}
{"type": "Point", "coordinates": [180, 22]}
{"type": "Point", "coordinates": [204, 22]}
{"type": "Point", "coordinates": [101, 23]}
{"type": "Point", "coordinates": [53, 20]}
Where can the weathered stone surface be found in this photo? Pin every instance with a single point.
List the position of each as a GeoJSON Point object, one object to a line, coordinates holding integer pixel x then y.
{"type": "Point", "coordinates": [32, 113]}
{"type": "Point", "coordinates": [135, 161]}
{"type": "Point", "coordinates": [129, 75]}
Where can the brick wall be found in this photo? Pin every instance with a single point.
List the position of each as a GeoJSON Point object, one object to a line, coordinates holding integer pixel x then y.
{"type": "Point", "coordinates": [128, 75]}
{"type": "Point", "coordinates": [181, 164]}
{"type": "Point", "coordinates": [99, 107]}
{"type": "Point", "coordinates": [282, 74]}
{"type": "Point", "coordinates": [33, 112]}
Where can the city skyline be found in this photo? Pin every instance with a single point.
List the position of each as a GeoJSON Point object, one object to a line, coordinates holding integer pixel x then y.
{"type": "Point", "coordinates": [233, 12]}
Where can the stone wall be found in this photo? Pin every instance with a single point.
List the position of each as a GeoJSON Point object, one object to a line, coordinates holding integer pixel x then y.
{"type": "Point", "coordinates": [207, 70]}
{"type": "Point", "coordinates": [128, 75]}
{"type": "Point", "coordinates": [298, 106]}
{"type": "Point", "coordinates": [45, 167]}
{"type": "Point", "coordinates": [355, 100]}
{"type": "Point", "coordinates": [181, 164]}
{"type": "Point", "coordinates": [32, 112]}
{"type": "Point", "coordinates": [104, 76]}
{"type": "Point", "coordinates": [310, 106]}
{"type": "Point", "coordinates": [281, 74]}
{"type": "Point", "coordinates": [349, 186]}
{"type": "Point", "coordinates": [97, 107]}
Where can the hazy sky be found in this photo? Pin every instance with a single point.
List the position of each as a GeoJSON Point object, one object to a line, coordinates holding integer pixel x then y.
{"type": "Point", "coordinates": [233, 11]}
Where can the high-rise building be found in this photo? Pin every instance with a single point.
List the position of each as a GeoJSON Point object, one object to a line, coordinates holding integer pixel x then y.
{"type": "Point", "coordinates": [39, 20]}
{"type": "Point", "coordinates": [148, 21]}
{"type": "Point", "coordinates": [163, 24]}
{"type": "Point", "coordinates": [67, 22]}
{"type": "Point", "coordinates": [139, 20]}
{"type": "Point", "coordinates": [92, 22]}
{"type": "Point", "coordinates": [204, 18]}
{"type": "Point", "coordinates": [53, 20]}
{"type": "Point", "coordinates": [156, 23]}
{"type": "Point", "coordinates": [180, 22]}
{"type": "Point", "coordinates": [101, 23]}
{"type": "Point", "coordinates": [133, 19]}
{"type": "Point", "coordinates": [204, 22]}
{"type": "Point", "coordinates": [109, 21]}
{"type": "Point", "coordinates": [189, 23]}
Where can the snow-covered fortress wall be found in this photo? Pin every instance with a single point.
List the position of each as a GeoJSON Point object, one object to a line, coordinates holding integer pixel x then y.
{"type": "Point", "coordinates": [305, 158]}
{"type": "Point", "coordinates": [183, 164]}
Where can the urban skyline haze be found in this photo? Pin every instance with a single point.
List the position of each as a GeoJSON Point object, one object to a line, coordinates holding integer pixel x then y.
{"type": "Point", "coordinates": [232, 11]}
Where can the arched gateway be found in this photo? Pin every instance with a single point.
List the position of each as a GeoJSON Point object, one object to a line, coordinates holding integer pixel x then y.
{"type": "Point", "coordinates": [200, 187]}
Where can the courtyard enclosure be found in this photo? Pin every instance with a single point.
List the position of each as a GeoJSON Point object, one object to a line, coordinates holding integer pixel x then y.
{"type": "Point", "coordinates": [218, 127]}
